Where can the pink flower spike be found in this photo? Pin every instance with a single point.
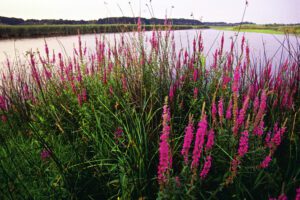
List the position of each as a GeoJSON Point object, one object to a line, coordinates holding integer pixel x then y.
{"type": "Point", "coordinates": [243, 146]}
{"type": "Point", "coordinates": [206, 167]}
{"type": "Point", "coordinates": [265, 163]}
{"type": "Point", "coordinates": [214, 110]}
{"type": "Point", "coordinates": [228, 111]}
{"type": "Point", "coordinates": [210, 140]}
{"type": "Point", "coordinates": [282, 197]}
{"type": "Point", "coordinates": [45, 154]}
{"type": "Point", "coordinates": [165, 158]}
{"type": "Point", "coordinates": [297, 194]}
{"type": "Point", "coordinates": [199, 141]}
{"type": "Point", "coordinates": [188, 138]}
{"type": "Point", "coordinates": [220, 109]}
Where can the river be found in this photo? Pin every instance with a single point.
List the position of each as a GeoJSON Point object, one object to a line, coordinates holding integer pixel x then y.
{"type": "Point", "coordinates": [275, 47]}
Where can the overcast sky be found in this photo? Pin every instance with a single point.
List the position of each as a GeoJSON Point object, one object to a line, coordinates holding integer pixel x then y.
{"type": "Point", "coordinates": [258, 11]}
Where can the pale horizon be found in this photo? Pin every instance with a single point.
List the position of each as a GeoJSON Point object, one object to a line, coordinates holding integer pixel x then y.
{"type": "Point", "coordinates": [230, 11]}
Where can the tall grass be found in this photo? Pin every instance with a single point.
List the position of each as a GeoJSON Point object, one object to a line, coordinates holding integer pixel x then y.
{"type": "Point", "coordinates": [98, 125]}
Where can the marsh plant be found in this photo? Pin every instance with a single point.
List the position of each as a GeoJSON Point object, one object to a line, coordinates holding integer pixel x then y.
{"type": "Point", "coordinates": [140, 119]}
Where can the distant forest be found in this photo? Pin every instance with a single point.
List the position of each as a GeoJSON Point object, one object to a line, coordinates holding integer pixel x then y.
{"type": "Point", "coordinates": [113, 20]}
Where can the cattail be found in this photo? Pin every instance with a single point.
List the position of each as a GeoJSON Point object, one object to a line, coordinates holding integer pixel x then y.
{"type": "Point", "coordinates": [210, 140]}
{"type": "Point", "coordinates": [228, 111]}
{"type": "Point", "coordinates": [243, 145]}
{"type": "Point", "coordinates": [206, 167]}
{"type": "Point", "coordinates": [188, 138]}
{"type": "Point", "coordinates": [265, 163]}
{"type": "Point", "coordinates": [165, 160]}
{"type": "Point", "coordinates": [199, 141]}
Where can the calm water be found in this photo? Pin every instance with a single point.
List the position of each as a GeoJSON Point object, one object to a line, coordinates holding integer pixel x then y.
{"type": "Point", "coordinates": [261, 45]}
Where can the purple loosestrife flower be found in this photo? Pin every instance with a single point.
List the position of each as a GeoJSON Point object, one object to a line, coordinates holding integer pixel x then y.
{"type": "Point", "coordinates": [236, 79]}
{"type": "Point", "coordinates": [222, 46]}
{"type": "Point", "coordinates": [177, 181]}
{"type": "Point", "coordinates": [221, 109]}
{"type": "Point", "coordinates": [171, 93]}
{"type": "Point", "coordinates": [243, 44]}
{"type": "Point", "coordinates": [276, 140]}
{"type": "Point", "coordinates": [165, 160]}
{"type": "Point", "coordinates": [233, 169]}
{"type": "Point", "coordinates": [79, 99]}
{"type": "Point", "coordinates": [188, 138]}
{"type": "Point", "coordinates": [259, 130]}
{"type": "Point", "coordinates": [255, 104]}
{"type": "Point", "coordinates": [243, 146]}
{"type": "Point", "coordinates": [45, 154]}
{"type": "Point", "coordinates": [199, 141]}
{"type": "Point", "coordinates": [282, 197]}
{"type": "Point", "coordinates": [3, 104]}
{"type": "Point", "coordinates": [3, 118]}
{"type": "Point", "coordinates": [214, 110]}
{"type": "Point", "coordinates": [47, 51]}
{"type": "Point", "coordinates": [297, 194]}
{"type": "Point", "coordinates": [84, 95]}
{"type": "Point", "coordinates": [196, 93]}
{"type": "Point", "coordinates": [268, 139]}
{"type": "Point", "coordinates": [243, 111]}
{"type": "Point", "coordinates": [206, 167]}
{"type": "Point", "coordinates": [210, 140]}
{"type": "Point", "coordinates": [265, 163]}
{"type": "Point", "coordinates": [228, 111]}
{"type": "Point", "coordinates": [262, 108]}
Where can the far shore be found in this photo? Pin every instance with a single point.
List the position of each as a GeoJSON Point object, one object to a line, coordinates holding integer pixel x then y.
{"type": "Point", "coordinates": [33, 31]}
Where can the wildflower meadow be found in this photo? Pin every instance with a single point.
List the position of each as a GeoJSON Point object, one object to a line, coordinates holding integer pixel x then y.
{"type": "Point", "coordinates": [141, 118]}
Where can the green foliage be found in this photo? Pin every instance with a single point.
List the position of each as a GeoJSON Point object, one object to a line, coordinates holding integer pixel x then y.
{"type": "Point", "coordinates": [92, 129]}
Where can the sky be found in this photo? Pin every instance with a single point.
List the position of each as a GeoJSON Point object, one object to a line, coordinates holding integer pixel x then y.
{"type": "Point", "coordinates": [258, 11]}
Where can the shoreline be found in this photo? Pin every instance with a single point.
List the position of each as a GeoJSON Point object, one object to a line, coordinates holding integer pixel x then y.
{"type": "Point", "coordinates": [38, 31]}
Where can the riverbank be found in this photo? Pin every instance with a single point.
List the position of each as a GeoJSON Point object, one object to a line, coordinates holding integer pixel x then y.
{"type": "Point", "coordinates": [31, 31]}
{"type": "Point", "coordinates": [269, 29]}
{"type": "Point", "coordinates": [117, 121]}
